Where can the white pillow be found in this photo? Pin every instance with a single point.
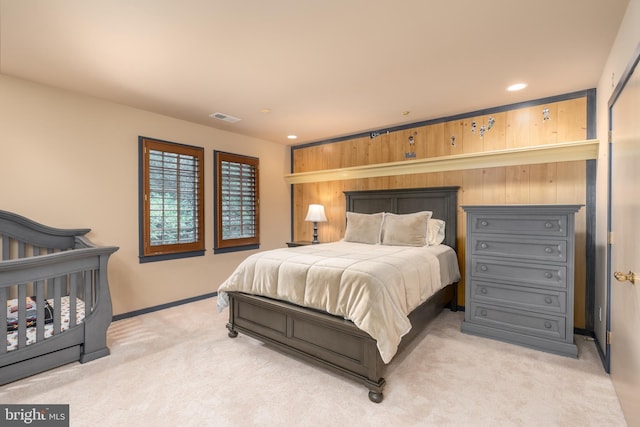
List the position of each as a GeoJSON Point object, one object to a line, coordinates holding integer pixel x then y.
{"type": "Point", "coordinates": [363, 228]}
{"type": "Point", "coordinates": [435, 231]}
{"type": "Point", "coordinates": [405, 230]}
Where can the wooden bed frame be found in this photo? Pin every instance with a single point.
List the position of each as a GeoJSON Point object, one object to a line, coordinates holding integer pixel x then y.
{"type": "Point", "coordinates": [333, 342]}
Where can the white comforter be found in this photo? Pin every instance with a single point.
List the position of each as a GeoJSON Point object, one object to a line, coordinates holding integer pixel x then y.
{"type": "Point", "coordinates": [374, 286]}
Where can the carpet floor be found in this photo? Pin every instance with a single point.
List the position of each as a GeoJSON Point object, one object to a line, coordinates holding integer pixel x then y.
{"type": "Point", "coordinates": [177, 367]}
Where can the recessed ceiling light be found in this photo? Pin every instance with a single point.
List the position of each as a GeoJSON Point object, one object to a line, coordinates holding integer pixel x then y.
{"type": "Point", "coordinates": [406, 113]}
{"type": "Point", "coordinates": [265, 110]}
{"type": "Point", "coordinates": [517, 86]}
{"type": "Point", "coordinates": [292, 136]}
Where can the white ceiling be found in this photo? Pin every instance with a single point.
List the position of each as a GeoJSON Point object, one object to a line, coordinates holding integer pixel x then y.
{"type": "Point", "coordinates": [324, 69]}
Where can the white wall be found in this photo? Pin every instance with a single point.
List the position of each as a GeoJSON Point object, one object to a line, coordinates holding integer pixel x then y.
{"type": "Point", "coordinates": [621, 53]}
{"type": "Point", "coordinates": [71, 161]}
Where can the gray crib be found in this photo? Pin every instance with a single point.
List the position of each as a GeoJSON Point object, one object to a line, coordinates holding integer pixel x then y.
{"type": "Point", "coordinates": [54, 284]}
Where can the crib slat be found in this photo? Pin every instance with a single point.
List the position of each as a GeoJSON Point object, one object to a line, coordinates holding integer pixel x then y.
{"type": "Point", "coordinates": [3, 332]}
{"type": "Point", "coordinates": [39, 311]}
{"type": "Point", "coordinates": [5, 248]}
{"type": "Point", "coordinates": [41, 317]}
{"type": "Point", "coordinates": [57, 305]}
{"type": "Point", "coordinates": [22, 315]}
{"type": "Point", "coordinates": [88, 294]}
{"type": "Point", "coordinates": [73, 291]}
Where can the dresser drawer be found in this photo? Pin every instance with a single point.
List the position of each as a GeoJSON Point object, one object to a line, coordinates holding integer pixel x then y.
{"type": "Point", "coordinates": [532, 225]}
{"type": "Point", "coordinates": [519, 272]}
{"type": "Point", "coordinates": [516, 296]}
{"type": "Point", "coordinates": [524, 322]}
{"type": "Point", "coordinates": [531, 249]}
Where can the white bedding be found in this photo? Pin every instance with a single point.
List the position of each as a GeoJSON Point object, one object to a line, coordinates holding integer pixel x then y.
{"type": "Point", "coordinates": [374, 286]}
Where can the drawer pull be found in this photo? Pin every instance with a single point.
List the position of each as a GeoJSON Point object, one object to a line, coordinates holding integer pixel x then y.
{"type": "Point", "coordinates": [484, 223]}
{"type": "Point", "coordinates": [483, 313]}
{"type": "Point", "coordinates": [548, 300]}
{"type": "Point", "coordinates": [548, 275]}
{"type": "Point", "coordinates": [483, 291]}
{"type": "Point", "coordinates": [484, 267]}
{"type": "Point", "coordinates": [548, 250]}
{"type": "Point", "coordinates": [484, 245]}
{"type": "Point", "coordinates": [547, 325]}
{"type": "Point", "coordinates": [548, 225]}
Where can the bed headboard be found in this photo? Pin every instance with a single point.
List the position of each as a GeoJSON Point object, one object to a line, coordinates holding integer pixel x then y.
{"type": "Point", "coordinates": [442, 201]}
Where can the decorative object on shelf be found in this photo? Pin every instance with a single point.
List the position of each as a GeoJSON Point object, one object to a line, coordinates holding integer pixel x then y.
{"type": "Point", "coordinates": [484, 128]}
{"type": "Point", "coordinates": [411, 154]}
{"type": "Point", "coordinates": [545, 114]}
{"type": "Point", "coordinates": [378, 133]}
{"type": "Point", "coordinates": [315, 214]}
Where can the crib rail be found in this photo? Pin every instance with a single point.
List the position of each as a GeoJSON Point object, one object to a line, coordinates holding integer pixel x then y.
{"type": "Point", "coordinates": [28, 234]}
{"type": "Point", "coordinates": [48, 264]}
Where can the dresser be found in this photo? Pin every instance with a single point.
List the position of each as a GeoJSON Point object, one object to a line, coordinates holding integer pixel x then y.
{"type": "Point", "coordinates": [520, 275]}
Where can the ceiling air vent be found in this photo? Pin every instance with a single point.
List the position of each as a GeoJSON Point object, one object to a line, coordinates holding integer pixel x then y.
{"type": "Point", "coordinates": [224, 117]}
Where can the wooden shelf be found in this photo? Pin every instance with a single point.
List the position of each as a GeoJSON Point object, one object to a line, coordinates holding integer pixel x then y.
{"type": "Point", "coordinates": [563, 152]}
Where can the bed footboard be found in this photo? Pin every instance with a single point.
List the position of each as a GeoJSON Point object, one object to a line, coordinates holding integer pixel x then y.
{"type": "Point", "coordinates": [55, 287]}
{"type": "Point", "coordinates": [322, 339]}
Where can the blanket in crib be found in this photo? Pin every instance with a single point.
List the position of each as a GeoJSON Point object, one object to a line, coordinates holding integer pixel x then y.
{"type": "Point", "coordinates": [12, 333]}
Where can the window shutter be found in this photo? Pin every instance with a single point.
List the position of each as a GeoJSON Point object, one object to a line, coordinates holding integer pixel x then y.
{"type": "Point", "coordinates": [172, 200]}
{"type": "Point", "coordinates": [237, 211]}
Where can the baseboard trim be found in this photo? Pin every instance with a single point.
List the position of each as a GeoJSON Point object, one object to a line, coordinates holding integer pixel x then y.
{"type": "Point", "coordinates": [162, 306]}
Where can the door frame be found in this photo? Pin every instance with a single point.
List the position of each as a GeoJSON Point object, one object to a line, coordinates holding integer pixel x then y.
{"type": "Point", "coordinates": [624, 79]}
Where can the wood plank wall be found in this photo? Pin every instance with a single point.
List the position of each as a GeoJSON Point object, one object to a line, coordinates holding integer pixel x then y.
{"type": "Point", "coordinates": [551, 183]}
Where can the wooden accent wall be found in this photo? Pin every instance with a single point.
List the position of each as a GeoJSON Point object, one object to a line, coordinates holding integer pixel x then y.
{"type": "Point", "coordinates": [550, 183]}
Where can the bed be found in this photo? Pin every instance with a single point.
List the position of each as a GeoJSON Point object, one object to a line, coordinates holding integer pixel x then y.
{"type": "Point", "coordinates": [323, 330]}
{"type": "Point", "coordinates": [54, 285]}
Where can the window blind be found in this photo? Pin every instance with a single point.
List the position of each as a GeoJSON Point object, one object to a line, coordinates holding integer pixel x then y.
{"type": "Point", "coordinates": [238, 187]}
{"type": "Point", "coordinates": [237, 202]}
{"type": "Point", "coordinates": [173, 198]}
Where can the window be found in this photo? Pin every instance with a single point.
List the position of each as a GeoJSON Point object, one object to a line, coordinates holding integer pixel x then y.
{"type": "Point", "coordinates": [237, 212]}
{"type": "Point", "coordinates": [171, 200]}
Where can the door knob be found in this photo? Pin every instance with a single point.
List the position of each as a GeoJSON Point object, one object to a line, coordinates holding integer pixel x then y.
{"type": "Point", "coordinates": [630, 276]}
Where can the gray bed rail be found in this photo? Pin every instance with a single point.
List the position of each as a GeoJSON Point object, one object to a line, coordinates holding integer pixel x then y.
{"type": "Point", "coordinates": [48, 266]}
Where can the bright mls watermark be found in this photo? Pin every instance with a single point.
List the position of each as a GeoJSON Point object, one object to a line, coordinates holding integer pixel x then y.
{"type": "Point", "coordinates": [34, 415]}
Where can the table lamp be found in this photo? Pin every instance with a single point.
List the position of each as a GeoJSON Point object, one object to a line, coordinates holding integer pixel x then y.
{"type": "Point", "coordinates": [315, 215]}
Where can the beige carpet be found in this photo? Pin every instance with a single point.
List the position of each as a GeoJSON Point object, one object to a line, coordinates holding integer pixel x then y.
{"type": "Point", "coordinates": [177, 367]}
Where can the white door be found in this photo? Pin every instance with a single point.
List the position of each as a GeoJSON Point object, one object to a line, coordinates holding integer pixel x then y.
{"type": "Point", "coordinates": [625, 248]}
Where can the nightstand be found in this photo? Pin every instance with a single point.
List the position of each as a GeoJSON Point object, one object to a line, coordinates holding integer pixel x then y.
{"type": "Point", "coordinates": [299, 243]}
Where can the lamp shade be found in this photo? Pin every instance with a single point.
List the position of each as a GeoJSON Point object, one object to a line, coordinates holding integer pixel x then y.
{"type": "Point", "coordinates": [316, 214]}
